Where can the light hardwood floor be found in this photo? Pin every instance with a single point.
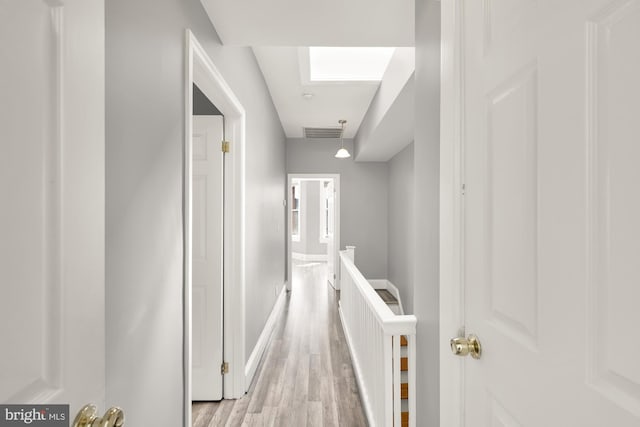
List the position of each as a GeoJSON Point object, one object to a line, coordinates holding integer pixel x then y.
{"type": "Point", "coordinates": [305, 377]}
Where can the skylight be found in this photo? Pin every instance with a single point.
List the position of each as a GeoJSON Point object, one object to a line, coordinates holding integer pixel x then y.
{"type": "Point", "coordinates": [348, 63]}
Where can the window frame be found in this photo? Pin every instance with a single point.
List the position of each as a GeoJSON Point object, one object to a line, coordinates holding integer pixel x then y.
{"type": "Point", "coordinates": [325, 233]}
{"type": "Point", "coordinates": [296, 210]}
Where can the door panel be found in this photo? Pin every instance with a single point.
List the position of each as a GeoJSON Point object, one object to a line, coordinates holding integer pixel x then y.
{"type": "Point", "coordinates": [52, 188]}
{"type": "Point", "coordinates": [30, 149]}
{"type": "Point", "coordinates": [614, 230]}
{"type": "Point", "coordinates": [332, 274]}
{"type": "Point", "coordinates": [550, 129]}
{"type": "Point", "coordinates": [207, 257]}
{"type": "Point", "coordinates": [511, 207]}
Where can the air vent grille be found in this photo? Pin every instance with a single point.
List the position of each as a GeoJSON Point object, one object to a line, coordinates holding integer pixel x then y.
{"type": "Point", "coordinates": [333, 133]}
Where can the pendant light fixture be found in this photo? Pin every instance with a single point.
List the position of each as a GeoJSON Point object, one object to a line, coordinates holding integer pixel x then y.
{"type": "Point", "coordinates": [342, 152]}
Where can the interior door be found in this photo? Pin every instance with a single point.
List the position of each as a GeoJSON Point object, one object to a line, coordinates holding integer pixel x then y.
{"type": "Point", "coordinates": [207, 242]}
{"type": "Point", "coordinates": [330, 220]}
{"type": "Point", "coordinates": [52, 191]}
{"type": "Point", "coordinates": [551, 132]}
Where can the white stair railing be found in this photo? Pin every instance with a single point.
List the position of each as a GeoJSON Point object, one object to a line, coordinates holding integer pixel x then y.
{"type": "Point", "coordinates": [373, 334]}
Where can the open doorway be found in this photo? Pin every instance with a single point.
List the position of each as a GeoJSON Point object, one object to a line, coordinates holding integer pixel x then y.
{"type": "Point", "coordinates": [207, 183]}
{"type": "Point", "coordinates": [314, 222]}
{"type": "Point", "coordinates": [200, 71]}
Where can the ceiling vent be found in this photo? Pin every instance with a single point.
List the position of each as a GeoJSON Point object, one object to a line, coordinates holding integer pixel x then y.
{"type": "Point", "coordinates": [332, 133]}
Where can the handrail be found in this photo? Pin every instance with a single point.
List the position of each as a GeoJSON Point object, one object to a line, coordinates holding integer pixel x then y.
{"type": "Point", "coordinates": [373, 334]}
{"type": "Point", "coordinates": [393, 323]}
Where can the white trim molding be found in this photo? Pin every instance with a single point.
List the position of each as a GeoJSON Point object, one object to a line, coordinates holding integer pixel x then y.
{"type": "Point", "coordinates": [379, 283]}
{"type": "Point", "coordinates": [263, 340]}
{"type": "Point", "coordinates": [451, 210]}
{"type": "Point", "coordinates": [309, 257]}
{"type": "Point", "coordinates": [200, 68]}
{"type": "Point", "coordinates": [373, 334]}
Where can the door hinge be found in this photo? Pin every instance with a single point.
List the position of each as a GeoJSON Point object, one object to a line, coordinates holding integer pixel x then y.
{"type": "Point", "coordinates": [225, 146]}
{"type": "Point", "coordinates": [334, 276]}
{"type": "Point", "coordinates": [224, 368]}
{"type": "Point", "coordinates": [464, 189]}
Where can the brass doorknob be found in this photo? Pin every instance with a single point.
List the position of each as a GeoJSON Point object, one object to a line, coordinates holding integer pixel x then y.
{"type": "Point", "coordinates": [461, 346]}
{"type": "Point", "coordinates": [88, 417]}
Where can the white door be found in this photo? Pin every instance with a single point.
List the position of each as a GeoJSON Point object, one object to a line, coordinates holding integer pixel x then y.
{"type": "Point", "coordinates": [52, 194]}
{"type": "Point", "coordinates": [208, 161]}
{"type": "Point", "coordinates": [551, 237]}
{"type": "Point", "coordinates": [330, 221]}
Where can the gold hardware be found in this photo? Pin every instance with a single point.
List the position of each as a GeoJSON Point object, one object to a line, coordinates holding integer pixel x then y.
{"type": "Point", "coordinates": [461, 346]}
{"type": "Point", "coordinates": [225, 146]}
{"type": "Point", "coordinates": [88, 417]}
{"type": "Point", "coordinates": [224, 369]}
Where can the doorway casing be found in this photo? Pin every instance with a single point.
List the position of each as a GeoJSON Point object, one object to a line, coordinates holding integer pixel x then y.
{"type": "Point", "coordinates": [199, 69]}
{"type": "Point", "coordinates": [336, 238]}
{"type": "Point", "coordinates": [451, 214]}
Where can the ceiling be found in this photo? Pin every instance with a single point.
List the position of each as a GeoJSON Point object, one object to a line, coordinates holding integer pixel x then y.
{"type": "Point", "coordinates": [329, 103]}
{"type": "Point", "coordinates": [280, 32]}
{"type": "Point", "coordinates": [313, 22]}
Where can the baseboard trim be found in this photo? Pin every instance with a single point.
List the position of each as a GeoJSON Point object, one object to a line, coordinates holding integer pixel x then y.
{"type": "Point", "coordinates": [308, 257]}
{"type": "Point", "coordinates": [379, 283]}
{"type": "Point", "coordinates": [263, 340]}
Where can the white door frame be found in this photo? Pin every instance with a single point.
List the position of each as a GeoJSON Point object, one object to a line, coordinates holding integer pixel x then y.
{"type": "Point", "coordinates": [336, 235]}
{"type": "Point", "coordinates": [451, 214]}
{"type": "Point", "coordinates": [200, 69]}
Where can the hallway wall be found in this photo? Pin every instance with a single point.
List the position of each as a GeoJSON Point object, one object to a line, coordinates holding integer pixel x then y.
{"type": "Point", "coordinates": [145, 54]}
{"type": "Point", "coordinates": [401, 225]}
{"type": "Point", "coordinates": [363, 199]}
{"type": "Point", "coordinates": [427, 211]}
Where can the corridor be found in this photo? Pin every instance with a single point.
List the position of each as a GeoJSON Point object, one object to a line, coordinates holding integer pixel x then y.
{"type": "Point", "coordinates": [306, 376]}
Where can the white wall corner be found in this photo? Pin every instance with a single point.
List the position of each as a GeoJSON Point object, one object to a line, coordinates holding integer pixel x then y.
{"type": "Point", "coordinates": [265, 335]}
{"type": "Point", "coordinates": [388, 124]}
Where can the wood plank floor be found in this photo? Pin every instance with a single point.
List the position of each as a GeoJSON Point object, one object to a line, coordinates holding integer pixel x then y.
{"type": "Point", "coordinates": [305, 377]}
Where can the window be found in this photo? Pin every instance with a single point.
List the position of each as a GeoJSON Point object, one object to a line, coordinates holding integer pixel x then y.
{"type": "Point", "coordinates": [340, 64]}
{"type": "Point", "coordinates": [295, 212]}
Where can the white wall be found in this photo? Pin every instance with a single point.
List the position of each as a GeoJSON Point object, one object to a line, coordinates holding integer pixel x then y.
{"type": "Point", "coordinates": [427, 171]}
{"type": "Point", "coordinates": [145, 43]}
{"type": "Point", "coordinates": [388, 125]}
{"type": "Point", "coordinates": [401, 225]}
{"type": "Point", "coordinates": [363, 199]}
